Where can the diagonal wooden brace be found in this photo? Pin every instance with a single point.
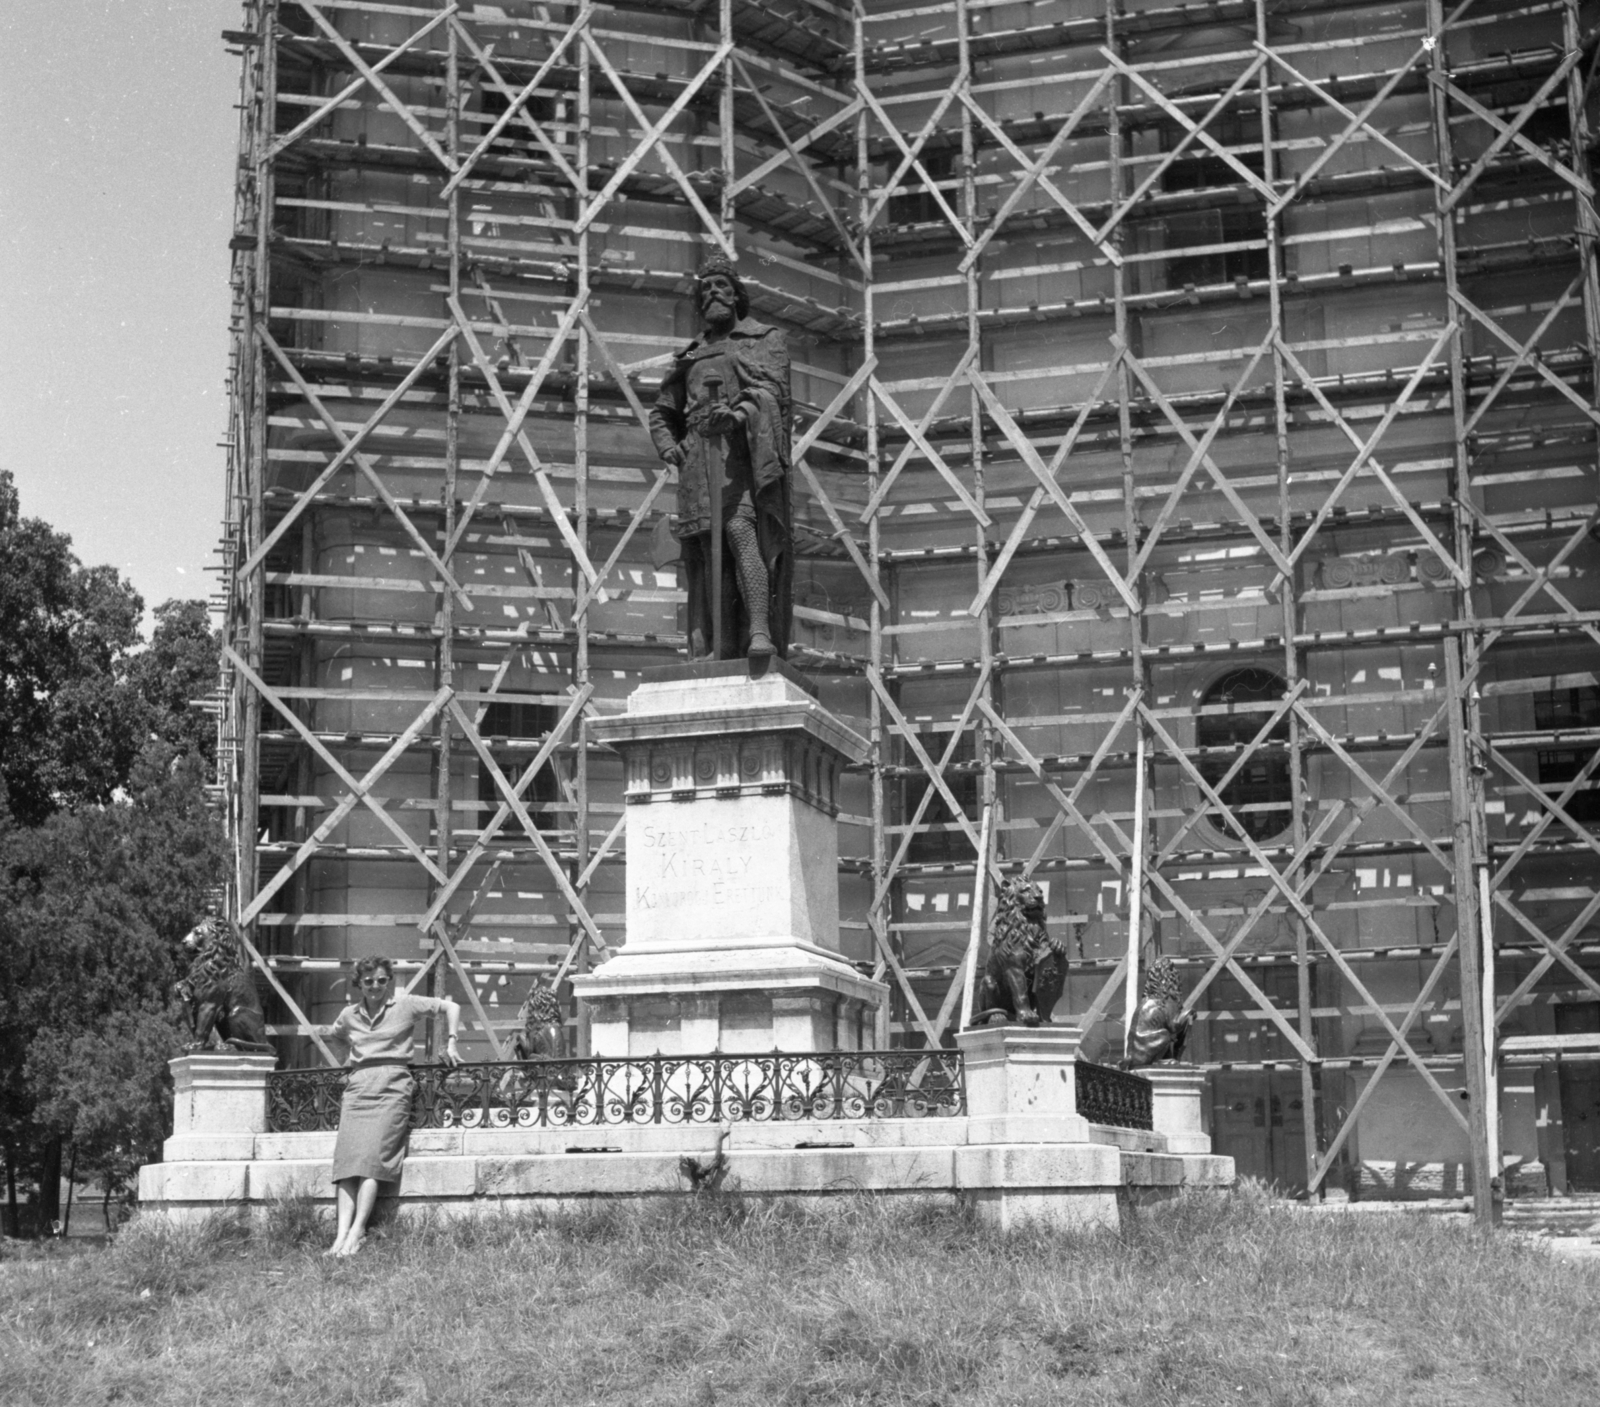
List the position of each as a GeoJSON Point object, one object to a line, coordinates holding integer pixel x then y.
{"type": "Point", "coordinates": [1035, 172]}
{"type": "Point", "coordinates": [367, 467]}
{"type": "Point", "coordinates": [512, 798]}
{"type": "Point", "coordinates": [1197, 456]}
{"type": "Point", "coordinates": [1194, 131]}
{"type": "Point", "coordinates": [315, 743]}
{"type": "Point", "coordinates": [516, 105]}
{"type": "Point", "coordinates": [1047, 481]}
{"type": "Point", "coordinates": [1555, 951]}
{"type": "Point", "coordinates": [936, 775]}
{"type": "Point", "coordinates": [1509, 132]}
{"type": "Point", "coordinates": [1540, 578]}
{"type": "Point", "coordinates": [803, 167]}
{"type": "Point", "coordinates": [1364, 459]}
{"type": "Point", "coordinates": [307, 496]}
{"type": "Point", "coordinates": [1376, 788]}
{"type": "Point", "coordinates": [314, 842]}
{"type": "Point", "coordinates": [361, 66]}
{"type": "Point", "coordinates": [514, 417]}
{"type": "Point", "coordinates": [1357, 121]}
{"type": "Point", "coordinates": [651, 141]}
{"type": "Point", "coordinates": [1416, 1008]}
{"type": "Point", "coordinates": [910, 159]}
{"type": "Point", "coordinates": [293, 135]}
{"type": "Point", "coordinates": [815, 134]}
{"type": "Point", "coordinates": [1220, 479]}
{"type": "Point", "coordinates": [1019, 530]}
{"type": "Point", "coordinates": [1102, 751]}
{"type": "Point", "coordinates": [1525, 352]}
{"type": "Point", "coordinates": [1297, 903]}
{"type": "Point", "coordinates": [918, 440]}
{"type": "Point", "coordinates": [1554, 809]}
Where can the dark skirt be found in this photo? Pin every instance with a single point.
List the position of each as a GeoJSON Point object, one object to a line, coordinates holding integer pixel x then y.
{"type": "Point", "coordinates": [374, 1119]}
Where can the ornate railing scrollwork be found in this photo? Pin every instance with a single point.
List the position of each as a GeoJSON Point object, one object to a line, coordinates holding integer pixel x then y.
{"type": "Point", "coordinates": [304, 1101]}
{"type": "Point", "coordinates": [650, 1090]}
{"type": "Point", "coordinates": [1114, 1097]}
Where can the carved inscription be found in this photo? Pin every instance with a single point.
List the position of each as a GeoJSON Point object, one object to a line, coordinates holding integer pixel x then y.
{"type": "Point", "coordinates": [673, 867]}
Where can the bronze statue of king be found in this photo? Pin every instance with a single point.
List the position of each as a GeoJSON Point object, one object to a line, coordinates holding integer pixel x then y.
{"type": "Point", "coordinates": [722, 418]}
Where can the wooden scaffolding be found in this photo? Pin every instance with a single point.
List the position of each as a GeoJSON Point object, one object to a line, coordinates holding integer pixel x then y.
{"type": "Point", "coordinates": [1194, 467]}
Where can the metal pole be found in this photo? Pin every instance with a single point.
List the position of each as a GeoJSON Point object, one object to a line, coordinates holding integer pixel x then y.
{"type": "Point", "coordinates": [1469, 956]}
{"type": "Point", "coordinates": [980, 893]}
{"type": "Point", "coordinates": [1130, 994]}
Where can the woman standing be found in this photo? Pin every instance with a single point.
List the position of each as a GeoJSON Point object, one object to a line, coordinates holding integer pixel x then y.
{"type": "Point", "coordinates": [375, 1113]}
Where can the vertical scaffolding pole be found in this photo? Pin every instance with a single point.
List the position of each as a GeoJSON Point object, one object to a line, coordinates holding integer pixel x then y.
{"type": "Point", "coordinates": [443, 818]}
{"type": "Point", "coordinates": [1477, 1038]}
{"type": "Point", "coordinates": [580, 454]}
{"type": "Point", "coordinates": [1485, 1177]}
{"type": "Point", "coordinates": [1137, 919]}
{"type": "Point", "coordinates": [988, 788]}
{"type": "Point", "coordinates": [1311, 1092]}
{"type": "Point", "coordinates": [249, 595]}
{"type": "Point", "coordinates": [876, 732]}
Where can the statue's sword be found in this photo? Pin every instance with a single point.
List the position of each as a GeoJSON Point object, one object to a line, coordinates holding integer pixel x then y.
{"type": "Point", "coordinates": [714, 489]}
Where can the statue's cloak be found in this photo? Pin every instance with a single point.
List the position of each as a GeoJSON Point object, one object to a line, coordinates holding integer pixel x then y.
{"type": "Point", "coordinates": [756, 356]}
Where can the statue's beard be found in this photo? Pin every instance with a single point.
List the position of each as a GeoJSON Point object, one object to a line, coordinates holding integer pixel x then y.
{"type": "Point", "coordinates": [717, 312]}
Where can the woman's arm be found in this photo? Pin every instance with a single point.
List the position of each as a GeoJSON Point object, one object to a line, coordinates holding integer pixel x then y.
{"type": "Point", "coordinates": [452, 1016]}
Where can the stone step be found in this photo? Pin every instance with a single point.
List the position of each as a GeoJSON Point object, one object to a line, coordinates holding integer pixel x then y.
{"type": "Point", "coordinates": [1556, 1216]}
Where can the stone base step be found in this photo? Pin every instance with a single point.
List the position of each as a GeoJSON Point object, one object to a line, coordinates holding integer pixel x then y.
{"type": "Point", "coordinates": [1063, 1184]}
{"type": "Point", "coordinates": [1556, 1216]}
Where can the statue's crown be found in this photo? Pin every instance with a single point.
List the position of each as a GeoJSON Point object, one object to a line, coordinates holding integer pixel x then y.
{"type": "Point", "coordinates": [718, 264]}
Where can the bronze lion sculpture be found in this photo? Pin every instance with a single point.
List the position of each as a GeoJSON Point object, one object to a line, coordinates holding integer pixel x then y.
{"type": "Point", "coordinates": [541, 1033]}
{"type": "Point", "coordinates": [218, 994]}
{"type": "Point", "coordinates": [1160, 1026]}
{"type": "Point", "coordinates": [541, 1036]}
{"type": "Point", "coordinates": [1027, 968]}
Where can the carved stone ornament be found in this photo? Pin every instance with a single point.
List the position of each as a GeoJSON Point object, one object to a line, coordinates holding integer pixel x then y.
{"type": "Point", "coordinates": [1374, 569]}
{"type": "Point", "coordinates": [768, 764]}
{"type": "Point", "coordinates": [1034, 598]}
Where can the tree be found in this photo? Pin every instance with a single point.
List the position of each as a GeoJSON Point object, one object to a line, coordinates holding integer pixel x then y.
{"type": "Point", "coordinates": [94, 904]}
{"type": "Point", "coordinates": [179, 668]}
{"type": "Point", "coordinates": [108, 853]}
{"type": "Point", "coordinates": [71, 720]}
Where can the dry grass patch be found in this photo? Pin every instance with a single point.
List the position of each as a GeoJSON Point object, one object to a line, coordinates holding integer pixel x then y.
{"type": "Point", "coordinates": [724, 1300]}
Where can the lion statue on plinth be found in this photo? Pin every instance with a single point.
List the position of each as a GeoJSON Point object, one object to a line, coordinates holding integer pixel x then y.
{"type": "Point", "coordinates": [1160, 1025]}
{"type": "Point", "coordinates": [1027, 968]}
{"type": "Point", "coordinates": [541, 1032]}
{"type": "Point", "coordinates": [218, 994]}
{"type": "Point", "coordinates": [541, 1038]}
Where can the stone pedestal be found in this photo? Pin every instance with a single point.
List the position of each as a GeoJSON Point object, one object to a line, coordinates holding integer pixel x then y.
{"type": "Point", "coordinates": [1022, 1084]}
{"type": "Point", "coordinates": [219, 1105]}
{"type": "Point", "coordinates": [732, 939]}
{"type": "Point", "coordinates": [1175, 1095]}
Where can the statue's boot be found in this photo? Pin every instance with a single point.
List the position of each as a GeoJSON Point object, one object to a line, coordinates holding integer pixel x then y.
{"type": "Point", "coordinates": [753, 585]}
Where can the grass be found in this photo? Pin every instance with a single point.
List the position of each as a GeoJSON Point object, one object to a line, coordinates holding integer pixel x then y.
{"type": "Point", "coordinates": [725, 1300]}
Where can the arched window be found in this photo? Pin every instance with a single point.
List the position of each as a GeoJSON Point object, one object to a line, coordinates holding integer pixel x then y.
{"type": "Point", "coordinates": [1258, 797]}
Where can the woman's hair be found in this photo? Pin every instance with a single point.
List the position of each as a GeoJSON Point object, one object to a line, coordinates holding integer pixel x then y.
{"type": "Point", "coordinates": [367, 966]}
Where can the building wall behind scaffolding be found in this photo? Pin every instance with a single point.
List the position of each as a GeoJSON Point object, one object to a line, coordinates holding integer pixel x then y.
{"type": "Point", "coordinates": [1195, 448]}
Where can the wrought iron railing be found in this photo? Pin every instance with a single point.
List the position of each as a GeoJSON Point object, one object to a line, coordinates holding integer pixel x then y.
{"type": "Point", "coordinates": [1115, 1097]}
{"type": "Point", "coordinates": [660, 1089]}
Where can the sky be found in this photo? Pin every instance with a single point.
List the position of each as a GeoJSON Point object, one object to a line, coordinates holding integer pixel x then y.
{"type": "Point", "coordinates": [116, 197]}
